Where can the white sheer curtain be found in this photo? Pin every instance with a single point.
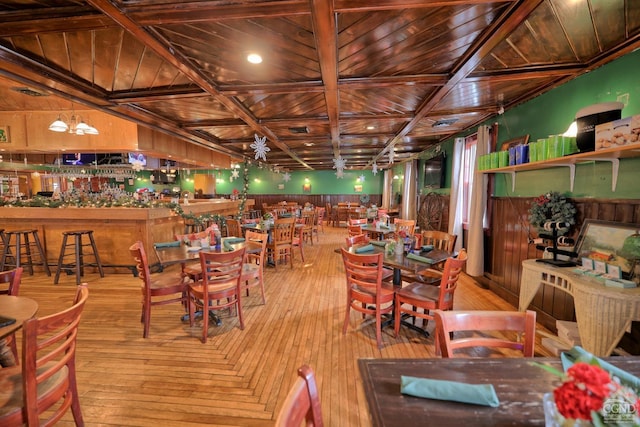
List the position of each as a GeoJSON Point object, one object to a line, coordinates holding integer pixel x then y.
{"type": "Point", "coordinates": [477, 212]}
{"type": "Point", "coordinates": [456, 197]}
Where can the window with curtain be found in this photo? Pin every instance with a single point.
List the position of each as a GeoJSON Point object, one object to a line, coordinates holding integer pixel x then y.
{"type": "Point", "coordinates": [468, 169]}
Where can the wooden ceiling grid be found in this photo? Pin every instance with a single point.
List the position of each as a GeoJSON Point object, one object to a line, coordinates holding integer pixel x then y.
{"type": "Point", "coordinates": [352, 78]}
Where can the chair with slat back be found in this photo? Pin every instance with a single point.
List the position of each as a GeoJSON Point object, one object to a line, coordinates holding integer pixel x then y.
{"type": "Point", "coordinates": [10, 285]}
{"type": "Point", "coordinates": [366, 291]}
{"type": "Point", "coordinates": [233, 228]}
{"type": "Point", "coordinates": [219, 288]}
{"type": "Point", "coordinates": [309, 220]}
{"type": "Point", "coordinates": [406, 225]}
{"type": "Point", "coordinates": [157, 288]}
{"type": "Point", "coordinates": [282, 236]}
{"type": "Point", "coordinates": [319, 225]}
{"type": "Point", "coordinates": [419, 300]}
{"type": "Point", "coordinates": [302, 404]}
{"type": "Point", "coordinates": [253, 266]}
{"type": "Point", "coordinates": [44, 387]}
{"type": "Point", "coordinates": [356, 239]}
{"type": "Point", "coordinates": [489, 329]}
{"type": "Point", "coordinates": [439, 239]}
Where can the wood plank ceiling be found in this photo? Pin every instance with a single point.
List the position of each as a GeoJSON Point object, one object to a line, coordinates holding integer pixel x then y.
{"type": "Point", "coordinates": [346, 78]}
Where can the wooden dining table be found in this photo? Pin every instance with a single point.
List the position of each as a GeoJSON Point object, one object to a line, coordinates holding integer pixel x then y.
{"type": "Point", "coordinates": [518, 383]}
{"type": "Point", "coordinates": [171, 255]}
{"type": "Point", "coordinates": [399, 261]}
{"type": "Point", "coordinates": [18, 308]}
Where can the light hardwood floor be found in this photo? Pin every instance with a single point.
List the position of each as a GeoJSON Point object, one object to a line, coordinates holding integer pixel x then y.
{"type": "Point", "coordinates": [239, 378]}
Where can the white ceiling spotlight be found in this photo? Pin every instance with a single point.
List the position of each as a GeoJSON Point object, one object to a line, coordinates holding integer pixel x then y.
{"type": "Point", "coordinates": [254, 58]}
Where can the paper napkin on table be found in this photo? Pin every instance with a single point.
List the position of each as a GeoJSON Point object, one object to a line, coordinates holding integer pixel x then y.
{"type": "Point", "coordinates": [579, 354]}
{"type": "Point", "coordinates": [378, 242]}
{"type": "Point", "coordinates": [420, 258]}
{"type": "Point", "coordinates": [477, 394]}
{"type": "Point", "coordinates": [171, 244]}
{"type": "Point", "coordinates": [365, 248]}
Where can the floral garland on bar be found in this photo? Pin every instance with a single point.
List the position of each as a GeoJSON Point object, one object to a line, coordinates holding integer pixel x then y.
{"type": "Point", "coordinates": [120, 202]}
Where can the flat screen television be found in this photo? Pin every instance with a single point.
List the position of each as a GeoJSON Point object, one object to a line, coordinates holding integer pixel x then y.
{"type": "Point", "coordinates": [138, 159]}
{"type": "Point", "coordinates": [80, 158]}
{"type": "Point", "coordinates": [433, 172]}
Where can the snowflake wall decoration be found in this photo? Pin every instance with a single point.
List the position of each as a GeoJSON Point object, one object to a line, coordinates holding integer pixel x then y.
{"type": "Point", "coordinates": [361, 178]}
{"type": "Point", "coordinates": [340, 173]}
{"type": "Point", "coordinates": [391, 155]}
{"type": "Point", "coordinates": [286, 177]}
{"type": "Point", "coordinates": [374, 169]}
{"type": "Point", "coordinates": [260, 147]}
{"type": "Point", "coordinates": [235, 174]}
{"type": "Point", "coordinates": [339, 163]}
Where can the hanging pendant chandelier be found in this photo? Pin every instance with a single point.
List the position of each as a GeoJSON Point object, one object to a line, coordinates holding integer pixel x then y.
{"type": "Point", "coordinates": [75, 126]}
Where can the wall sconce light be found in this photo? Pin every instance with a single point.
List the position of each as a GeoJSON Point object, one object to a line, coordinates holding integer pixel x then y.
{"type": "Point", "coordinates": [396, 177]}
{"type": "Point", "coordinates": [256, 180]}
{"type": "Point", "coordinates": [306, 179]}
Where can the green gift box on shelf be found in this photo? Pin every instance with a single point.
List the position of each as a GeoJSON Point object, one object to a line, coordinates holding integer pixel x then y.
{"type": "Point", "coordinates": [503, 159]}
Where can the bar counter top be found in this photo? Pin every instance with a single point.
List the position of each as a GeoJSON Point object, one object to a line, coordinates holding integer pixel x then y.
{"type": "Point", "coordinates": [114, 228]}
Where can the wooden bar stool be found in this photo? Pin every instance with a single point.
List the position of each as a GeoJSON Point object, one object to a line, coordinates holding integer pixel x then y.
{"type": "Point", "coordinates": [78, 254]}
{"type": "Point", "coordinates": [26, 245]}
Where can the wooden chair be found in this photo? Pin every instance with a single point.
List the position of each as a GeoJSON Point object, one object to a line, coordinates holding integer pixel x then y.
{"type": "Point", "coordinates": [309, 220]}
{"type": "Point", "coordinates": [44, 387]}
{"type": "Point", "coordinates": [319, 225]}
{"type": "Point", "coordinates": [298, 242]}
{"type": "Point", "coordinates": [406, 225]}
{"type": "Point", "coordinates": [233, 228]}
{"type": "Point", "coordinates": [158, 288]}
{"type": "Point", "coordinates": [518, 322]}
{"type": "Point", "coordinates": [439, 239]}
{"type": "Point", "coordinates": [281, 244]}
{"type": "Point", "coordinates": [354, 230]}
{"type": "Point", "coordinates": [219, 288]}
{"type": "Point", "coordinates": [366, 292]}
{"type": "Point", "coordinates": [356, 239]}
{"type": "Point", "coordinates": [418, 300]}
{"type": "Point", "coordinates": [10, 281]}
{"type": "Point", "coordinates": [253, 266]}
{"type": "Point", "coordinates": [302, 404]}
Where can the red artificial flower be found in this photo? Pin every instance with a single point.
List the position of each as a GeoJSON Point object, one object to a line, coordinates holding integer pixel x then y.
{"type": "Point", "coordinates": [584, 391]}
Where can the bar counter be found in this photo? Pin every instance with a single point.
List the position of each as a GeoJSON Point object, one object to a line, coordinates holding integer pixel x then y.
{"type": "Point", "coordinates": [114, 229]}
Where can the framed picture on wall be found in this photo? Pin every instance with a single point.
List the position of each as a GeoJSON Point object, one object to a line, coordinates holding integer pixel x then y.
{"type": "Point", "coordinates": [357, 188]}
{"type": "Point", "coordinates": [613, 243]}
{"type": "Point", "coordinates": [306, 188]}
{"type": "Point", "coordinates": [4, 133]}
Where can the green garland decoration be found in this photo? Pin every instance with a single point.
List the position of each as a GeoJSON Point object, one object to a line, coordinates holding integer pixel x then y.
{"type": "Point", "coordinates": [120, 202]}
{"type": "Point", "coordinates": [245, 190]}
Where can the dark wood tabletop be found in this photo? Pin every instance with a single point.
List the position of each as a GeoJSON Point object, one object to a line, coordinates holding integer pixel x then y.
{"type": "Point", "coordinates": [520, 387]}
{"type": "Point", "coordinates": [182, 254]}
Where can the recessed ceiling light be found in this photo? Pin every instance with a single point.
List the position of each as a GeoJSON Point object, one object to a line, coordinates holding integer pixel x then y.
{"type": "Point", "coordinates": [309, 144]}
{"type": "Point", "coordinates": [371, 127]}
{"type": "Point", "coordinates": [254, 58]}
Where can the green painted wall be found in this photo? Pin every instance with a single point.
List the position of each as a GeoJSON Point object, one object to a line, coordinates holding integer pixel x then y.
{"type": "Point", "coordinates": [553, 112]}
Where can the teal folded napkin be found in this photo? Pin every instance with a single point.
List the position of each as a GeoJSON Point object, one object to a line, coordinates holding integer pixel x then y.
{"type": "Point", "coordinates": [171, 244]}
{"type": "Point", "coordinates": [578, 354]}
{"type": "Point", "coordinates": [365, 248]}
{"type": "Point", "coordinates": [426, 248]}
{"type": "Point", "coordinates": [383, 226]}
{"type": "Point", "coordinates": [477, 394]}
{"type": "Point", "coordinates": [285, 215]}
{"type": "Point", "coordinates": [419, 258]}
{"type": "Point", "coordinates": [233, 240]}
{"type": "Point", "coordinates": [378, 243]}
{"type": "Point", "coordinates": [227, 246]}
